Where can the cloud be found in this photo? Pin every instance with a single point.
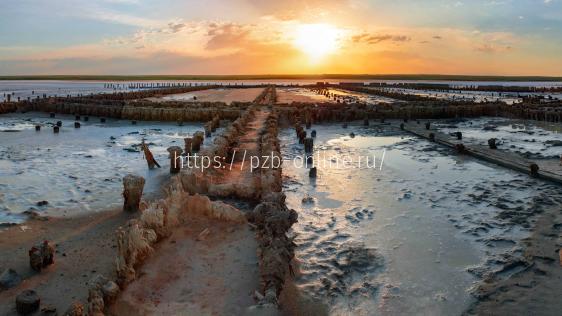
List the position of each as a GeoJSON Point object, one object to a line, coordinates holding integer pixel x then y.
{"type": "Point", "coordinates": [227, 35]}
{"type": "Point", "coordinates": [378, 38]}
{"type": "Point", "coordinates": [490, 48]}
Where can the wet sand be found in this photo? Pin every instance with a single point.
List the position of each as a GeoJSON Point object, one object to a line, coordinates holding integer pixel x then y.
{"type": "Point", "coordinates": [420, 235]}
{"type": "Point", "coordinates": [190, 275]}
{"type": "Point", "coordinates": [85, 247]}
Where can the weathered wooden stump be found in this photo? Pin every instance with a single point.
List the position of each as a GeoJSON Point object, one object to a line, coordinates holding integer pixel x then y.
{"type": "Point", "coordinates": [41, 256]}
{"type": "Point", "coordinates": [427, 125]}
{"type": "Point", "coordinates": [308, 145]}
{"type": "Point", "coordinates": [534, 169]}
{"type": "Point", "coordinates": [175, 159]}
{"type": "Point", "coordinates": [59, 123]}
{"type": "Point", "coordinates": [313, 133]}
{"type": "Point", "coordinates": [132, 192]}
{"type": "Point", "coordinates": [76, 124]}
{"type": "Point", "coordinates": [458, 135]}
{"type": "Point", "coordinates": [149, 157]}
{"type": "Point", "coordinates": [27, 302]}
{"type": "Point", "coordinates": [37, 127]}
{"type": "Point", "coordinates": [56, 129]}
{"type": "Point", "coordinates": [312, 173]}
{"type": "Point", "coordinates": [492, 143]}
{"type": "Point", "coordinates": [198, 138]}
{"type": "Point", "coordinates": [309, 161]}
{"type": "Point", "coordinates": [188, 142]}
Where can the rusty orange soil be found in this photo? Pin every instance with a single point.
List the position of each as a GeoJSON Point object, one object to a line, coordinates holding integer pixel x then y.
{"type": "Point", "coordinates": [85, 246]}
{"type": "Point", "coordinates": [204, 268]}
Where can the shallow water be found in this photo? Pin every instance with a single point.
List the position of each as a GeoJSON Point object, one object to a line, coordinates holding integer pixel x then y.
{"type": "Point", "coordinates": [530, 138]}
{"type": "Point", "coordinates": [412, 238]}
{"type": "Point", "coordinates": [476, 96]}
{"type": "Point", "coordinates": [77, 170]}
{"type": "Point", "coordinates": [358, 97]}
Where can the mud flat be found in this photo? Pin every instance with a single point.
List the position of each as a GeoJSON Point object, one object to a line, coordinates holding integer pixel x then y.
{"type": "Point", "coordinates": [85, 247]}
{"type": "Point", "coordinates": [423, 235]}
{"type": "Point", "coordinates": [226, 95]}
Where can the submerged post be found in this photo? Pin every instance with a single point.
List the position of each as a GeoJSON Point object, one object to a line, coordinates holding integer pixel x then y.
{"type": "Point", "coordinates": [534, 168]}
{"type": "Point", "coordinates": [132, 192]}
{"type": "Point", "coordinates": [459, 135]}
{"type": "Point", "coordinates": [308, 145]}
{"type": "Point", "coordinates": [492, 143]}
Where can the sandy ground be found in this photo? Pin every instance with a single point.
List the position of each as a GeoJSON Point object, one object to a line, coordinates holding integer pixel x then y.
{"type": "Point", "coordinates": [215, 95]}
{"type": "Point", "coordinates": [85, 247]}
{"type": "Point", "coordinates": [187, 275]}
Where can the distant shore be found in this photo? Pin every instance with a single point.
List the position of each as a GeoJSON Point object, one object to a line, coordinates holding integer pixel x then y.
{"type": "Point", "coordinates": [287, 77]}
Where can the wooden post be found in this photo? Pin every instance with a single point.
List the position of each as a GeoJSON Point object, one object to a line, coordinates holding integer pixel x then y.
{"type": "Point", "coordinates": [175, 159]}
{"type": "Point", "coordinates": [312, 172]}
{"type": "Point", "coordinates": [188, 143]}
{"type": "Point", "coordinates": [132, 192]}
{"type": "Point", "coordinates": [308, 145]}
{"type": "Point", "coordinates": [148, 156]}
{"type": "Point", "coordinates": [459, 135]}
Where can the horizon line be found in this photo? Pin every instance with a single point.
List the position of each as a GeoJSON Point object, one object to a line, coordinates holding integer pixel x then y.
{"type": "Point", "coordinates": [447, 77]}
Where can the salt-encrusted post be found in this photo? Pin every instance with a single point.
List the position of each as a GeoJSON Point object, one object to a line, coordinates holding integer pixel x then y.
{"type": "Point", "coordinates": [132, 192]}
{"type": "Point", "coordinates": [175, 159]}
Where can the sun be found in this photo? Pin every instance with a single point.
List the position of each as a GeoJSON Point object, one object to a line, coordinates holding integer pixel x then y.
{"type": "Point", "coordinates": [317, 40]}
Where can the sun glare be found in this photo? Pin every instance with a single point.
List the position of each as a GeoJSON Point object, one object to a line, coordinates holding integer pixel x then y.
{"type": "Point", "coordinates": [317, 40]}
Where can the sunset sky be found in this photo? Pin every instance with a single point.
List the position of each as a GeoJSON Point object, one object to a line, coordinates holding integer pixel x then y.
{"type": "Point", "coordinates": [485, 37]}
